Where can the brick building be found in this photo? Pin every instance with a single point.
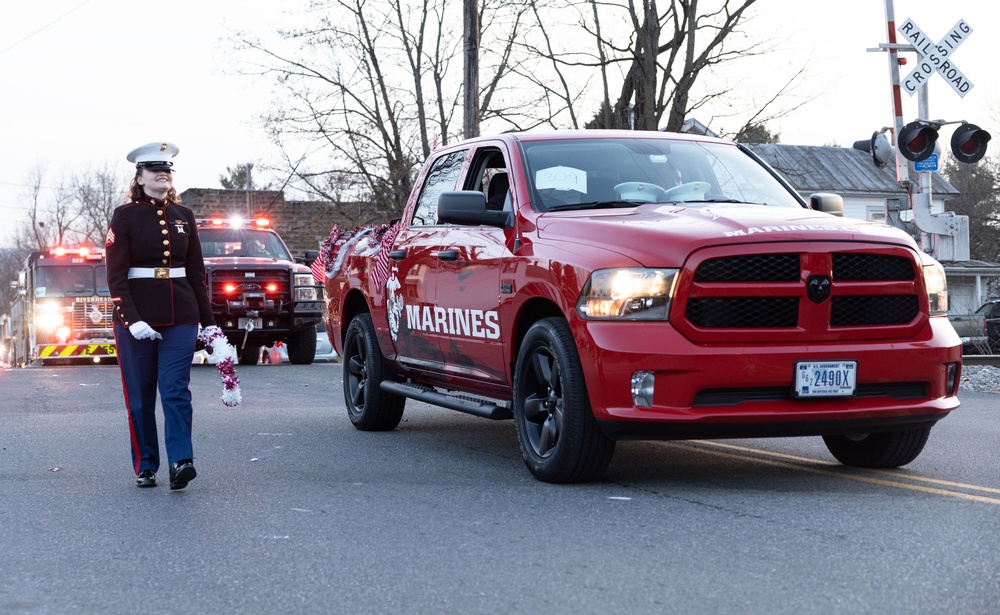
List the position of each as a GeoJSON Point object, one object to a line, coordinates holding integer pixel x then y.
{"type": "Point", "coordinates": [302, 224]}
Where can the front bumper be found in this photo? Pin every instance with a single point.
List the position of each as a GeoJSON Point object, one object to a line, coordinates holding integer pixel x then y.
{"type": "Point", "coordinates": [718, 390]}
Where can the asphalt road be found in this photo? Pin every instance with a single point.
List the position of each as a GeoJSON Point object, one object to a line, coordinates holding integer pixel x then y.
{"type": "Point", "coordinates": [294, 511]}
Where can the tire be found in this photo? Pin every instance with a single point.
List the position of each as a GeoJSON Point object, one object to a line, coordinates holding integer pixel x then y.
{"type": "Point", "coordinates": [302, 346]}
{"type": "Point", "coordinates": [559, 438]}
{"type": "Point", "coordinates": [890, 449]}
{"type": "Point", "coordinates": [250, 354]}
{"type": "Point", "coordinates": [368, 406]}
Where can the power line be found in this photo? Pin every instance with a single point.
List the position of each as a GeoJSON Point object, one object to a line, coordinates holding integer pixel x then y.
{"type": "Point", "coordinates": [6, 49]}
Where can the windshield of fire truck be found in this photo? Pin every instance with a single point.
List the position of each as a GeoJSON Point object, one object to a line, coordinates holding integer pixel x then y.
{"type": "Point", "coordinates": [70, 281]}
{"type": "Point", "coordinates": [216, 242]}
{"type": "Point", "coordinates": [626, 172]}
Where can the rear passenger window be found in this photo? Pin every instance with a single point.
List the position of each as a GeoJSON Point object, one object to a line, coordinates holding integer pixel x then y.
{"type": "Point", "coordinates": [441, 178]}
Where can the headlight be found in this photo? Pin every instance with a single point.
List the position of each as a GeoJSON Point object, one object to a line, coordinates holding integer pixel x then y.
{"type": "Point", "coordinates": [937, 286]}
{"type": "Point", "coordinates": [49, 316]}
{"type": "Point", "coordinates": [305, 287]}
{"type": "Point", "coordinates": [628, 294]}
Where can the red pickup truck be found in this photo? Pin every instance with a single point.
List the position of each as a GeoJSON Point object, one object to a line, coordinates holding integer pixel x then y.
{"type": "Point", "coordinates": [597, 286]}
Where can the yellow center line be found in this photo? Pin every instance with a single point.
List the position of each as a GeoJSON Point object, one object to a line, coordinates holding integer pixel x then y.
{"type": "Point", "coordinates": [795, 463]}
{"type": "Point", "coordinates": [923, 479]}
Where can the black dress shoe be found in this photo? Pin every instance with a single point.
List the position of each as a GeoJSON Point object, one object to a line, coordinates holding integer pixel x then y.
{"type": "Point", "coordinates": [181, 473]}
{"type": "Point", "coordinates": [146, 479]}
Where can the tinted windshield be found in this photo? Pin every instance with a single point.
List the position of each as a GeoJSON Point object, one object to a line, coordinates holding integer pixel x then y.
{"type": "Point", "coordinates": [70, 281]}
{"type": "Point", "coordinates": [242, 242]}
{"type": "Point", "coordinates": [627, 172]}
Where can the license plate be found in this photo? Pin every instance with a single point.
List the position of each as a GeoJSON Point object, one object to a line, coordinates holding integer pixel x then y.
{"type": "Point", "coordinates": [257, 323]}
{"type": "Point", "coordinates": [825, 378]}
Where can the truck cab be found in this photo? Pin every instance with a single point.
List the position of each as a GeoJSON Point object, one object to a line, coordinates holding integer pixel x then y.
{"type": "Point", "coordinates": [259, 293]}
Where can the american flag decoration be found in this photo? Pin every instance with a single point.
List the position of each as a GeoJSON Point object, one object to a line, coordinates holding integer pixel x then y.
{"type": "Point", "coordinates": [318, 266]}
{"type": "Point", "coordinates": [380, 271]}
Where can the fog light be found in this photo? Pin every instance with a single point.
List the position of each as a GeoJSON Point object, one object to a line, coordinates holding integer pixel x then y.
{"type": "Point", "coordinates": [950, 379]}
{"type": "Point", "coordinates": [642, 389]}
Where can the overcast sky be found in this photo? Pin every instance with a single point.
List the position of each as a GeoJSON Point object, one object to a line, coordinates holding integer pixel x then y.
{"type": "Point", "coordinates": [84, 82]}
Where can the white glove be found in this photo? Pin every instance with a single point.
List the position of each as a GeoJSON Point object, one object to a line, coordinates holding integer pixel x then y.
{"type": "Point", "coordinates": [142, 331]}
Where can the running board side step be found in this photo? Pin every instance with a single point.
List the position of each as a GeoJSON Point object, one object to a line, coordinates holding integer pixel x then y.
{"type": "Point", "coordinates": [484, 408]}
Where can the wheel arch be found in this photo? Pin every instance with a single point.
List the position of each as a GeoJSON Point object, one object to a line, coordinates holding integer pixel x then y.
{"type": "Point", "coordinates": [354, 304]}
{"type": "Point", "coordinates": [531, 311]}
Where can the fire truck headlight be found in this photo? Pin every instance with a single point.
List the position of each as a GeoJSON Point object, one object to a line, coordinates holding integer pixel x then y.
{"type": "Point", "coordinates": [305, 287]}
{"type": "Point", "coordinates": [49, 316]}
{"type": "Point", "coordinates": [627, 294]}
{"type": "Point", "coordinates": [63, 333]}
{"type": "Point", "coordinates": [937, 286]}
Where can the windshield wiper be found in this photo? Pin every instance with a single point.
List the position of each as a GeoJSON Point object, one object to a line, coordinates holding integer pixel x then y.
{"type": "Point", "coordinates": [593, 205]}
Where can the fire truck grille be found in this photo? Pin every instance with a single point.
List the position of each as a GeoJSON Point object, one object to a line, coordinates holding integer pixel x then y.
{"type": "Point", "coordinates": [89, 316]}
{"type": "Point", "coordinates": [799, 295]}
{"type": "Point", "coordinates": [256, 283]}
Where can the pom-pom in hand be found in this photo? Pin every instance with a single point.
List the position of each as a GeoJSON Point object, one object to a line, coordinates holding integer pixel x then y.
{"type": "Point", "coordinates": [223, 354]}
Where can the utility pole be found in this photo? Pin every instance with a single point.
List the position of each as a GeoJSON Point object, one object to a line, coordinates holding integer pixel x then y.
{"type": "Point", "coordinates": [471, 47]}
{"type": "Point", "coordinates": [248, 167]}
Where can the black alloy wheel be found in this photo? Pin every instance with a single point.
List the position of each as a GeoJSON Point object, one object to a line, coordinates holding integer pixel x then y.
{"type": "Point", "coordinates": [368, 406]}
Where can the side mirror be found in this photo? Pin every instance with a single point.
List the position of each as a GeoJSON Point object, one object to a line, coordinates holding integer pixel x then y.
{"type": "Point", "coordinates": [309, 256]}
{"type": "Point", "coordinates": [827, 202]}
{"type": "Point", "coordinates": [468, 208]}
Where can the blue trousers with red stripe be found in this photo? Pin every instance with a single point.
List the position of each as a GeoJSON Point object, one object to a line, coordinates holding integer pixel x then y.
{"type": "Point", "coordinates": [148, 365]}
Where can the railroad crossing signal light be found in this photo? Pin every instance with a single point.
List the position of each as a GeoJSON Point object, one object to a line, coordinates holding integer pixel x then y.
{"type": "Point", "coordinates": [968, 143]}
{"type": "Point", "coordinates": [878, 146]}
{"type": "Point", "coordinates": [916, 140]}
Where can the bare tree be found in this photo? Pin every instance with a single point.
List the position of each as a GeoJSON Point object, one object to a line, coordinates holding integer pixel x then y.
{"type": "Point", "coordinates": [370, 87]}
{"type": "Point", "coordinates": [51, 213]}
{"type": "Point", "coordinates": [979, 185]}
{"type": "Point", "coordinates": [97, 192]}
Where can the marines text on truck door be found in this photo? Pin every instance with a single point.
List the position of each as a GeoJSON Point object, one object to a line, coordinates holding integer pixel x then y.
{"type": "Point", "coordinates": [62, 311]}
{"type": "Point", "coordinates": [597, 286]}
{"type": "Point", "coordinates": [260, 295]}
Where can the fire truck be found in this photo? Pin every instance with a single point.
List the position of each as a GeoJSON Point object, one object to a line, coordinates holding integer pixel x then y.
{"type": "Point", "coordinates": [62, 312]}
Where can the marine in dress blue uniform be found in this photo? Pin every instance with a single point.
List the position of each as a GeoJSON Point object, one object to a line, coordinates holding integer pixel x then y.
{"type": "Point", "coordinates": [156, 275]}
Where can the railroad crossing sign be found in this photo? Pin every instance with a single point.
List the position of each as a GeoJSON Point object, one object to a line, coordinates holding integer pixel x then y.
{"type": "Point", "coordinates": [936, 57]}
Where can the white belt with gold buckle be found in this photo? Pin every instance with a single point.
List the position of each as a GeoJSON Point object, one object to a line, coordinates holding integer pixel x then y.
{"type": "Point", "coordinates": [160, 273]}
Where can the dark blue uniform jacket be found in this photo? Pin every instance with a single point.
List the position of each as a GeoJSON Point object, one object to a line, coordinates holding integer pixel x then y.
{"type": "Point", "coordinates": [154, 233]}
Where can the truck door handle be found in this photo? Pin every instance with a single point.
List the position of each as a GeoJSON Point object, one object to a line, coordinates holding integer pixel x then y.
{"type": "Point", "coordinates": [447, 255]}
{"type": "Point", "coordinates": [397, 255]}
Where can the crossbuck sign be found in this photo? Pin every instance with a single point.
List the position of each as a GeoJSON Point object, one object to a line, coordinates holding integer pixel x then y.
{"type": "Point", "coordinates": [936, 57]}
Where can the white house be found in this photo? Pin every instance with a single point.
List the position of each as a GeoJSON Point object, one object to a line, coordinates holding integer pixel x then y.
{"type": "Point", "coordinates": [865, 189]}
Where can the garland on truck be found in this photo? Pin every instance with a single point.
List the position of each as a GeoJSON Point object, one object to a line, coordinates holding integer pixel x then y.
{"type": "Point", "coordinates": [339, 244]}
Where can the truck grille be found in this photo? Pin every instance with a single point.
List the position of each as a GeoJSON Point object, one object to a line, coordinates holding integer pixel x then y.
{"type": "Point", "coordinates": [92, 315]}
{"type": "Point", "coordinates": [252, 282]}
{"type": "Point", "coordinates": [856, 293]}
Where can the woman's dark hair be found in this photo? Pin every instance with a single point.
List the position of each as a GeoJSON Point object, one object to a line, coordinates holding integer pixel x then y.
{"type": "Point", "coordinates": [136, 193]}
